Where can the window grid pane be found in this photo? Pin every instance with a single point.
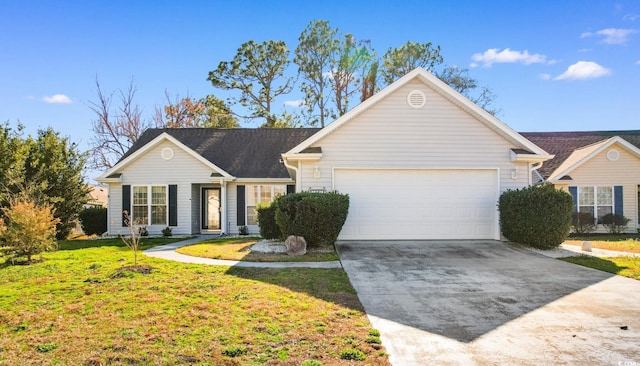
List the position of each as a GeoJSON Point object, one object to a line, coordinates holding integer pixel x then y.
{"type": "Point", "coordinates": [252, 217]}
{"type": "Point", "coordinates": [586, 196]}
{"type": "Point", "coordinates": [139, 195]}
{"type": "Point", "coordinates": [159, 195]}
{"type": "Point", "coordinates": [140, 215]}
{"type": "Point", "coordinates": [158, 215]}
{"type": "Point", "coordinates": [605, 195]}
{"type": "Point", "coordinates": [265, 194]}
{"type": "Point", "coordinates": [279, 191]}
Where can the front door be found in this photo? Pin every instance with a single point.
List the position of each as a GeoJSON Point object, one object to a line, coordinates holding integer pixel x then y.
{"type": "Point", "coordinates": [211, 208]}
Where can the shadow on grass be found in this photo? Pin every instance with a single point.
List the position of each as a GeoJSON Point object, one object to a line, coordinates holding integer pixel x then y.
{"type": "Point", "coordinates": [327, 284]}
{"type": "Point", "coordinates": [624, 266]}
{"type": "Point", "coordinates": [145, 243]}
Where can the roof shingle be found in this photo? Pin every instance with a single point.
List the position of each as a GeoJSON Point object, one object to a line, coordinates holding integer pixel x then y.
{"type": "Point", "coordinates": [563, 144]}
{"type": "Point", "coordinates": [241, 152]}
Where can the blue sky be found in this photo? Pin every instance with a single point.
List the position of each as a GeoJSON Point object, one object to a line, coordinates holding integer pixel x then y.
{"type": "Point", "coordinates": [554, 65]}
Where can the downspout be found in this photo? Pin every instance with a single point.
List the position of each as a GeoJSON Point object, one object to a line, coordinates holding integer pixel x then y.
{"type": "Point", "coordinates": [534, 168]}
{"type": "Point", "coordinates": [294, 168]}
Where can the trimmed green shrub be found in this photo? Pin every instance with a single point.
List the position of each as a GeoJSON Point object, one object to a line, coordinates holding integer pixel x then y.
{"type": "Point", "coordinates": [318, 217]}
{"type": "Point", "coordinates": [167, 231]}
{"type": "Point", "coordinates": [583, 222]}
{"type": "Point", "coordinates": [352, 354]}
{"type": "Point", "coordinates": [539, 216]}
{"type": "Point", "coordinates": [267, 221]}
{"type": "Point", "coordinates": [93, 220]}
{"type": "Point", "coordinates": [615, 223]}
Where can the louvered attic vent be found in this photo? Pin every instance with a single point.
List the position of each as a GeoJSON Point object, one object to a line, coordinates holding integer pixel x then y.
{"type": "Point", "coordinates": [416, 99]}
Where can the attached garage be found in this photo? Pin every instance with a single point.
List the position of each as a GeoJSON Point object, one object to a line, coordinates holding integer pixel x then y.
{"type": "Point", "coordinates": [419, 203]}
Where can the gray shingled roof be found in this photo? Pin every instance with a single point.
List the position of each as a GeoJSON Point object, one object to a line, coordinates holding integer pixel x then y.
{"type": "Point", "coordinates": [562, 144]}
{"type": "Point", "coordinates": [255, 152]}
{"type": "Point", "coordinates": [241, 152]}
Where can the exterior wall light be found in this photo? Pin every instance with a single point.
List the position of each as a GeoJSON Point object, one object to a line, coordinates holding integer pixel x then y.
{"type": "Point", "coordinates": [514, 173]}
{"type": "Point", "coordinates": [316, 172]}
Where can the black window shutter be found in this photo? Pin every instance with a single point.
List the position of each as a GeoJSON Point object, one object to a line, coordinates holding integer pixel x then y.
{"type": "Point", "coordinates": [241, 203]}
{"type": "Point", "coordinates": [617, 200]}
{"type": "Point", "coordinates": [126, 202]}
{"type": "Point", "coordinates": [173, 205]}
{"type": "Point", "coordinates": [574, 194]}
{"type": "Point", "coordinates": [291, 188]}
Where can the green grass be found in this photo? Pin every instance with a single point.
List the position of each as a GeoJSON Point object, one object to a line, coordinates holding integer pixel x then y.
{"type": "Point", "coordinates": [623, 266]}
{"type": "Point", "coordinates": [621, 242]}
{"type": "Point", "coordinates": [70, 309]}
{"type": "Point", "coordinates": [238, 249]}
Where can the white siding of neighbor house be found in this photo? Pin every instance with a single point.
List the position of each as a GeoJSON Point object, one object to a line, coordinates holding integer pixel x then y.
{"type": "Point", "coordinates": [600, 171]}
{"type": "Point", "coordinates": [114, 210]}
{"type": "Point", "coordinates": [232, 208]}
{"type": "Point", "coordinates": [391, 134]}
{"type": "Point", "coordinates": [151, 169]}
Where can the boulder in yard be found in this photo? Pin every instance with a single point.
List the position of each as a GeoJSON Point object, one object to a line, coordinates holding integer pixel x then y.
{"type": "Point", "coordinates": [296, 245]}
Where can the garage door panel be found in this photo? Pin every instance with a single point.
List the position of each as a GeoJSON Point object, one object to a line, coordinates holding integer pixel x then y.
{"type": "Point", "coordinates": [419, 204]}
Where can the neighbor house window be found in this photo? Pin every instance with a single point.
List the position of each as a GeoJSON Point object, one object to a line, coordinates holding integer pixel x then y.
{"type": "Point", "coordinates": [149, 205]}
{"type": "Point", "coordinates": [257, 194]}
{"type": "Point", "coordinates": [598, 201]}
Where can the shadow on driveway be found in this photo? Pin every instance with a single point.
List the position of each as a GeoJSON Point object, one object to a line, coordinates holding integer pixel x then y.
{"type": "Point", "coordinates": [487, 301]}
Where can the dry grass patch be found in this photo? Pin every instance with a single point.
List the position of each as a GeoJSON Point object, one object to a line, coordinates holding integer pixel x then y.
{"type": "Point", "coordinates": [238, 249]}
{"type": "Point", "coordinates": [70, 310]}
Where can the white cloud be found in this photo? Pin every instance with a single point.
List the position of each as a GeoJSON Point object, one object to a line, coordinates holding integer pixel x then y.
{"type": "Point", "coordinates": [638, 62]}
{"type": "Point", "coordinates": [611, 35]}
{"type": "Point", "coordinates": [545, 76]}
{"type": "Point", "coordinates": [583, 70]}
{"type": "Point", "coordinates": [631, 17]}
{"type": "Point", "coordinates": [294, 103]}
{"type": "Point", "coordinates": [494, 55]}
{"type": "Point", "coordinates": [57, 99]}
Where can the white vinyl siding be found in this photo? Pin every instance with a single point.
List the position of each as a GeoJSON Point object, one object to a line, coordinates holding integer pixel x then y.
{"type": "Point", "coordinates": [600, 171]}
{"type": "Point", "coordinates": [391, 134]}
{"type": "Point", "coordinates": [183, 170]}
{"type": "Point", "coordinates": [439, 136]}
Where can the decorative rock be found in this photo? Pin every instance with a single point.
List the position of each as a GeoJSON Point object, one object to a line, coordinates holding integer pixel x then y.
{"type": "Point", "coordinates": [296, 245]}
{"type": "Point", "coordinates": [586, 246]}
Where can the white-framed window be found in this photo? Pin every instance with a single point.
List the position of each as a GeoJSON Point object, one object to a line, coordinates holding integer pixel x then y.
{"type": "Point", "coordinates": [149, 205]}
{"type": "Point", "coordinates": [598, 201]}
{"type": "Point", "coordinates": [263, 193]}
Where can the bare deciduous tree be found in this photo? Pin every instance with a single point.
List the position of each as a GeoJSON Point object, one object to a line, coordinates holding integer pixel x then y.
{"type": "Point", "coordinates": [114, 131]}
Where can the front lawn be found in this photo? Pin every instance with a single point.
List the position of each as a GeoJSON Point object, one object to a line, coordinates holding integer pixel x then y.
{"type": "Point", "coordinates": [76, 308]}
{"type": "Point", "coordinates": [623, 266]}
{"type": "Point", "coordinates": [238, 249]}
{"type": "Point", "coordinates": [621, 242]}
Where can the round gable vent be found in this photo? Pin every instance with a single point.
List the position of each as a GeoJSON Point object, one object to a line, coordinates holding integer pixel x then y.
{"type": "Point", "coordinates": [613, 155]}
{"type": "Point", "coordinates": [167, 153]}
{"type": "Point", "coordinates": [416, 99]}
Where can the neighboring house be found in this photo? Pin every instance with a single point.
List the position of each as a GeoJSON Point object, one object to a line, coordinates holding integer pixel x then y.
{"type": "Point", "coordinates": [601, 170]}
{"type": "Point", "coordinates": [98, 196]}
{"type": "Point", "coordinates": [418, 160]}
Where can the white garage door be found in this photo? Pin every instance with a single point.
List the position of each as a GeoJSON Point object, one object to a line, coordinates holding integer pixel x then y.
{"type": "Point", "coordinates": [419, 204]}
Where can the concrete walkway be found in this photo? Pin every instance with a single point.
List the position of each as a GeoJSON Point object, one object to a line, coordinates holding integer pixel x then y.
{"type": "Point", "coordinates": [568, 250]}
{"type": "Point", "coordinates": [168, 251]}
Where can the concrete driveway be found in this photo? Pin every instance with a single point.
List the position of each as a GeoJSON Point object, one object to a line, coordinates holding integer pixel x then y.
{"type": "Point", "coordinates": [488, 303]}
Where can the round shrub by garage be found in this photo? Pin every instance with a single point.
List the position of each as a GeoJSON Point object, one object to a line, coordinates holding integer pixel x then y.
{"type": "Point", "coordinates": [318, 217]}
{"type": "Point", "coordinates": [539, 216]}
